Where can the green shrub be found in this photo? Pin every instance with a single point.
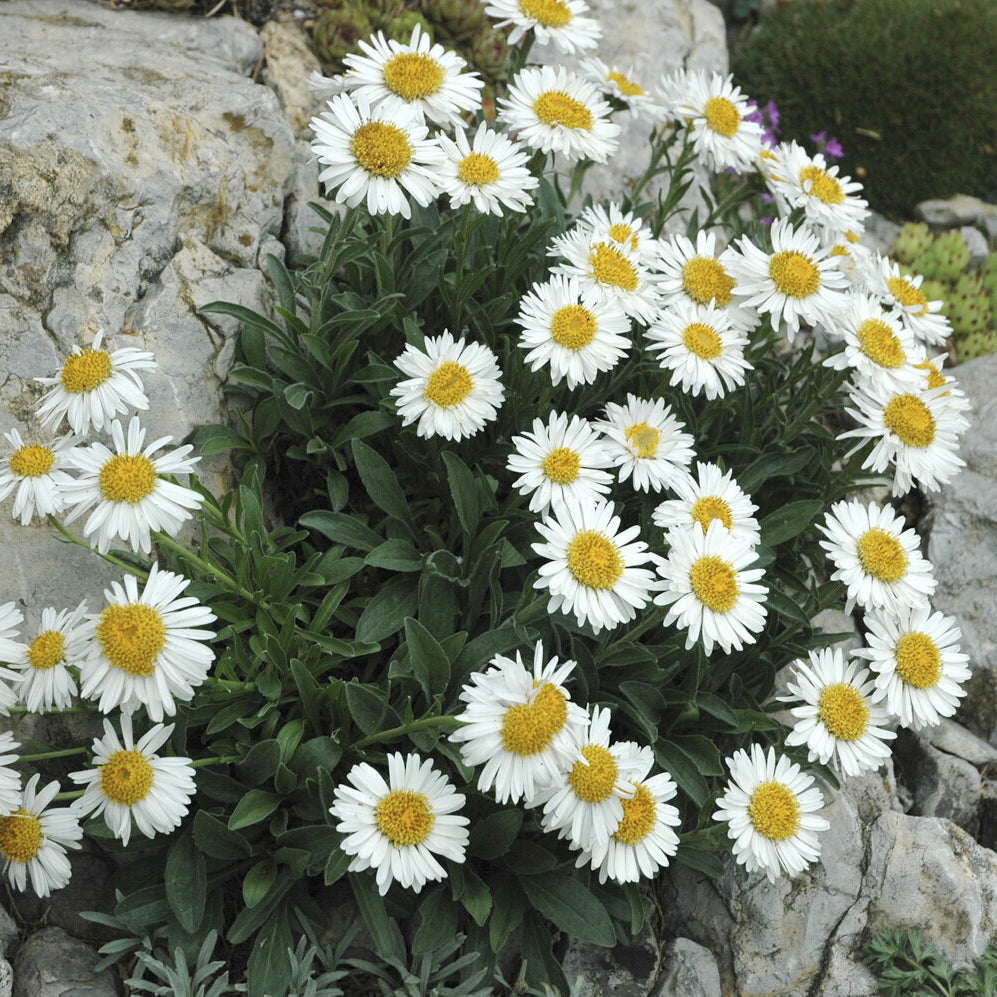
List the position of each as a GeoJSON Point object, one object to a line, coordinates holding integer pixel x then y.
{"type": "Point", "coordinates": [909, 88]}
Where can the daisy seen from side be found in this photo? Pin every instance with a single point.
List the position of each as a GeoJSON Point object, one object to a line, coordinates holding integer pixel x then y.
{"type": "Point", "coordinates": [129, 782]}
{"type": "Point", "coordinates": [381, 156]}
{"type": "Point", "coordinates": [878, 560]}
{"type": "Point", "coordinates": [920, 671]}
{"type": "Point", "coordinates": [559, 458]}
{"type": "Point", "coordinates": [840, 721]}
{"type": "Point", "coordinates": [133, 499]}
{"type": "Point", "coordinates": [10, 778]}
{"type": "Point", "coordinates": [34, 839]}
{"type": "Point", "coordinates": [953, 396]}
{"type": "Point", "coordinates": [592, 568]}
{"type": "Point", "coordinates": [610, 223]}
{"type": "Point", "coordinates": [646, 442]}
{"type": "Point", "coordinates": [11, 651]}
{"type": "Point", "coordinates": [94, 385]}
{"type": "Point", "coordinates": [622, 87]}
{"type": "Point", "coordinates": [451, 389]}
{"type": "Point", "coordinates": [148, 649]}
{"type": "Point", "coordinates": [399, 825]}
{"type": "Point", "coordinates": [520, 725]}
{"type": "Point", "coordinates": [36, 473]}
{"type": "Point", "coordinates": [561, 23]}
{"type": "Point", "coordinates": [573, 330]}
{"type": "Point", "coordinates": [772, 809]}
{"type": "Point", "coordinates": [710, 588]}
{"type": "Point", "coordinates": [60, 643]}
{"type": "Point", "coordinates": [900, 291]}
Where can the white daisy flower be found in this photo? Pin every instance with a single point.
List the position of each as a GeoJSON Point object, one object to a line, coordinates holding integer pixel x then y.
{"type": "Point", "coordinates": [399, 826]}
{"type": "Point", "coordinates": [574, 330]}
{"type": "Point", "coordinates": [558, 459]}
{"type": "Point", "coordinates": [592, 569]}
{"type": "Point", "coordinates": [714, 110]}
{"type": "Point", "coordinates": [624, 88]}
{"type": "Point", "coordinates": [645, 840]}
{"type": "Point", "coordinates": [887, 282]}
{"type": "Point", "coordinates": [771, 808]}
{"type": "Point", "coordinates": [829, 202]}
{"type": "Point", "coordinates": [44, 680]}
{"type": "Point", "coordinates": [915, 431]}
{"type": "Point", "coordinates": [920, 671]}
{"type": "Point", "coordinates": [452, 389]}
{"type": "Point", "coordinates": [37, 472]}
{"type": "Point", "coordinates": [427, 77]}
{"type": "Point", "coordinates": [880, 349]}
{"type": "Point", "coordinates": [878, 560]}
{"type": "Point", "coordinates": [953, 396]}
{"type": "Point", "coordinates": [129, 781]}
{"type": "Point", "coordinates": [838, 719]}
{"type": "Point", "coordinates": [491, 172]}
{"type": "Point", "coordinates": [380, 155]}
{"type": "Point", "coordinates": [554, 22]}
{"type": "Point", "coordinates": [710, 590]}
{"type": "Point", "coordinates": [325, 87]}
{"type": "Point", "coordinates": [797, 281]}
{"type": "Point", "coordinates": [34, 839]}
{"type": "Point", "coordinates": [601, 262]}
{"type": "Point", "coordinates": [148, 649]}
{"type": "Point", "coordinates": [586, 806]}
{"type": "Point", "coordinates": [94, 386]}
{"type": "Point", "coordinates": [610, 223]}
{"type": "Point", "coordinates": [647, 442]}
{"type": "Point", "coordinates": [132, 497]}
{"type": "Point", "coordinates": [10, 778]}
{"type": "Point", "coordinates": [555, 111]}
{"type": "Point", "coordinates": [520, 725]}
{"type": "Point", "coordinates": [712, 496]}
{"type": "Point", "coordinates": [701, 347]}
{"type": "Point", "coordinates": [11, 651]}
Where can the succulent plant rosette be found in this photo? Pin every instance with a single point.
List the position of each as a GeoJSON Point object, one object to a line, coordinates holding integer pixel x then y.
{"type": "Point", "coordinates": [535, 497]}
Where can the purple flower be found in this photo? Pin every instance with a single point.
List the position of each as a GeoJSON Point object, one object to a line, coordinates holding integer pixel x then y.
{"type": "Point", "coordinates": [831, 147]}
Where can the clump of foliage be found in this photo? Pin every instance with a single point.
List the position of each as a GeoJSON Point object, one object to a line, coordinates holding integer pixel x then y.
{"type": "Point", "coordinates": [908, 967]}
{"type": "Point", "coordinates": [910, 89]}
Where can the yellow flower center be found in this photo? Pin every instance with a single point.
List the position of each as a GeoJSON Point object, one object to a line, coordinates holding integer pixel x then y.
{"type": "Point", "coordinates": [919, 662]}
{"type": "Point", "coordinates": [561, 465]}
{"type": "Point", "coordinates": [20, 836]}
{"type": "Point", "coordinates": [404, 817]}
{"type": "Point", "coordinates": [627, 87]}
{"type": "Point", "coordinates": [639, 816]}
{"type": "Point", "coordinates": [907, 294]}
{"type": "Point", "coordinates": [32, 461]}
{"type": "Point", "coordinates": [594, 782]}
{"type": "Point", "coordinates": [644, 439]}
{"type": "Point", "coordinates": [46, 650]}
{"type": "Point", "coordinates": [126, 777]}
{"type": "Point", "coordinates": [714, 583]}
{"type": "Point", "coordinates": [594, 561]}
{"type": "Point", "coordinates": [86, 371]}
{"type": "Point", "coordinates": [705, 280]}
{"type": "Point", "coordinates": [722, 116]}
{"type": "Point", "coordinates": [413, 75]}
{"type": "Point", "coordinates": [448, 385]}
{"type": "Point", "coordinates": [936, 379]}
{"type": "Point", "coordinates": [549, 13]}
{"type": "Point", "coordinates": [910, 419]}
{"type": "Point", "coordinates": [131, 637]}
{"type": "Point", "coordinates": [555, 107]}
{"type": "Point", "coordinates": [573, 327]}
{"type": "Point", "coordinates": [127, 478]}
{"type": "Point", "coordinates": [702, 340]}
{"type": "Point", "coordinates": [529, 727]}
{"type": "Point", "coordinates": [711, 507]}
{"type": "Point", "coordinates": [621, 233]}
{"type": "Point", "coordinates": [774, 811]}
{"type": "Point", "coordinates": [381, 149]}
{"type": "Point", "coordinates": [476, 169]}
{"type": "Point", "coordinates": [882, 555]}
{"type": "Point", "coordinates": [881, 344]}
{"type": "Point", "coordinates": [610, 266]}
{"type": "Point", "coordinates": [794, 274]}
{"type": "Point", "coordinates": [843, 711]}
{"type": "Point", "coordinates": [838, 250]}
{"type": "Point", "coordinates": [822, 185]}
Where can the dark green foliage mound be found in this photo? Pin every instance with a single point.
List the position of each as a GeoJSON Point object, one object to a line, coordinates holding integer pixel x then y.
{"type": "Point", "coordinates": [908, 86]}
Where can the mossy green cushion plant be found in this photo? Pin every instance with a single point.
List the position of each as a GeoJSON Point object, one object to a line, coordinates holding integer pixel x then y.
{"type": "Point", "coordinates": [910, 89]}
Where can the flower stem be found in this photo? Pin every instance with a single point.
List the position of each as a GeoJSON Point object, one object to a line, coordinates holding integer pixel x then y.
{"type": "Point", "coordinates": [426, 723]}
{"type": "Point", "coordinates": [110, 558]}
{"type": "Point", "coordinates": [69, 794]}
{"type": "Point", "coordinates": [210, 568]}
{"type": "Point", "coordinates": [62, 753]}
{"type": "Point", "coordinates": [215, 760]}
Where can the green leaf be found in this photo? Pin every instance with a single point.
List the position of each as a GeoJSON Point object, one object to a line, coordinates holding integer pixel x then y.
{"type": "Point", "coordinates": [395, 555]}
{"type": "Point", "coordinates": [367, 705]}
{"type": "Point", "coordinates": [258, 881]}
{"type": "Point", "coordinates": [186, 881]}
{"type": "Point", "coordinates": [219, 439]}
{"type": "Point", "coordinates": [476, 897]}
{"type": "Point", "coordinates": [319, 752]}
{"type": "Point", "coordinates": [786, 606]}
{"type": "Point", "coordinates": [529, 858]}
{"type": "Point", "coordinates": [437, 922]}
{"type": "Point", "coordinates": [381, 483]}
{"type": "Point", "coordinates": [308, 692]}
{"type": "Point", "coordinates": [683, 770]}
{"type": "Point", "coordinates": [386, 610]}
{"type": "Point", "coordinates": [509, 905]}
{"type": "Point", "coordinates": [542, 967]}
{"type": "Point", "coordinates": [341, 529]}
{"type": "Point", "coordinates": [775, 465]}
{"type": "Point", "coordinates": [253, 808]}
{"type": "Point", "coordinates": [789, 520]}
{"type": "Point", "coordinates": [464, 491]}
{"type": "Point", "coordinates": [383, 929]}
{"type": "Point", "coordinates": [268, 967]}
{"type": "Point", "coordinates": [563, 900]}
{"type": "Point", "coordinates": [701, 861]}
{"type": "Point", "coordinates": [363, 425]}
{"type": "Point", "coordinates": [260, 762]}
{"type": "Point", "coordinates": [492, 836]}
{"type": "Point", "coordinates": [216, 841]}
{"type": "Point", "coordinates": [430, 664]}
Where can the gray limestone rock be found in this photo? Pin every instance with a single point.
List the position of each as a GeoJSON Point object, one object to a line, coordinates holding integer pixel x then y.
{"type": "Point", "coordinates": [51, 963]}
{"type": "Point", "coordinates": [689, 971]}
{"type": "Point", "coordinates": [962, 209]}
{"type": "Point", "coordinates": [6, 979]}
{"type": "Point", "coordinates": [8, 932]}
{"type": "Point", "coordinates": [954, 739]}
{"type": "Point", "coordinates": [623, 971]}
